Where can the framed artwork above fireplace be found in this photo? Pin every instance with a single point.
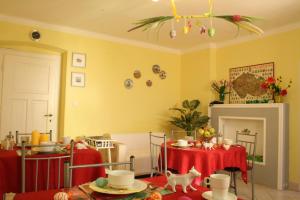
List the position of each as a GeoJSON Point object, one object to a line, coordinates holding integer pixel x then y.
{"type": "Point", "coordinates": [246, 83]}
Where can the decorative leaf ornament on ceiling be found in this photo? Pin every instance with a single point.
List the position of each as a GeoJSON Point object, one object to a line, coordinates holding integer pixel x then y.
{"type": "Point", "coordinates": [241, 22]}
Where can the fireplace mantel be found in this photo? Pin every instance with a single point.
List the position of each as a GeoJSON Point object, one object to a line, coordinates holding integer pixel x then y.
{"type": "Point", "coordinates": [258, 105]}
{"type": "Point", "coordinates": [273, 118]}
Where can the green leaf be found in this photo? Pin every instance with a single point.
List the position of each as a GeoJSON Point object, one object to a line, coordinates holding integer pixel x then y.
{"type": "Point", "coordinates": [194, 104]}
{"type": "Point", "coordinates": [195, 115]}
{"type": "Point", "coordinates": [186, 104]}
{"type": "Point", "coordinates": [149, 22]}
{"type": "Point", "coordinates": [188, 117]}
{"type": "Point", "coordinates": [178, 109]}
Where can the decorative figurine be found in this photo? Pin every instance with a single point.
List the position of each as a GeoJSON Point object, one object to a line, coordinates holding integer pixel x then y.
{"type": "Point", "coordinates": [208, 145]}
{"type": "Point", "coordinates": [184, 180]}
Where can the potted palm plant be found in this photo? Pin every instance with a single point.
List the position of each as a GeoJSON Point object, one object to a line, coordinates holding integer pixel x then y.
{"type": "Point", "coordinates": [189, 118]}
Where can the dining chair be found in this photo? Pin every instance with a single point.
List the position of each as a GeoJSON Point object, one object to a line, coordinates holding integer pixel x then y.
{"type": "Point", "coordinates": [71, 166]}
{"type": "Point", "coordinates": [50, 160]}
{"type": "Point", "coordinates": [158, 154]}
{"type": "Point", "coordinates": [249, 142]}
{"type": "Point", "coordinates": [18, 135]}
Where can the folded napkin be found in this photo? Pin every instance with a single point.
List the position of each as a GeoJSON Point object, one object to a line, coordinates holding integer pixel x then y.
{"type": "Point", "coordinates": [81, 146]}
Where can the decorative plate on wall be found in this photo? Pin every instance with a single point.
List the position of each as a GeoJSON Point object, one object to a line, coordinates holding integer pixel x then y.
{"type": "Point", "coordinates": [162, 74]}
{"type": "Point", "coordinates": [156, 69]}
{"type": "Point", "coordinates": [137, 74]}
{"type": "Point", "coordinates": [149, 83]}
{"type": "Point", "coordinates": [128, 83]}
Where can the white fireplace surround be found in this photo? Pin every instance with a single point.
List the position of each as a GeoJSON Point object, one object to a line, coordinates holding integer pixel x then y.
{"type": "Point", "coordinates": [271, 121]}
{"type": "Point", "coordinates": [228, 125]}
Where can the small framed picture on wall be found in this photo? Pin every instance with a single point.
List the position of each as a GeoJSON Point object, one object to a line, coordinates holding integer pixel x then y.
{"type": "Point", "coordinates": [77, 79]}
{"type": "Point", "coordinates": [78, 60]}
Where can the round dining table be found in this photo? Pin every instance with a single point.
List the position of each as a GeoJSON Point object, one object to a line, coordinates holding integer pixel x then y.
{"type": "Point", "coordinates": [10, 170]}
{"type": "Point", "coordinates": [206, 161]}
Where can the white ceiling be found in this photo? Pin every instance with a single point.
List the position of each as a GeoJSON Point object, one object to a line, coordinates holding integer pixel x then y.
{"type": "Point", "coordinates": [115, 17]}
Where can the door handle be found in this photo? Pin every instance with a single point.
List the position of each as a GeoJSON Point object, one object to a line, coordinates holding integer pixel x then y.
{"type": "Point", "coordinates": [48, 115]}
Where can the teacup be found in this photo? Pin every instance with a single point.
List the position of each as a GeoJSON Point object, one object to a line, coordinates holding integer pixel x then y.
{"type": "Point", "coordinates": [120, 179]}
{"type": "Point", "coordinates": [189, 138]}
{"type": "Point", "coordinates": [67, 140]}
{"type": "Point", "coordinates": [46, 149]}
{"type": "Point", "coordinates": [182, 142]}
{"type": "Point", "coordinates": [219, 184]}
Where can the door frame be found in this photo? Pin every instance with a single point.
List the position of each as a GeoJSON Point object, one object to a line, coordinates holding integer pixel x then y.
{"type": "Point", "coordinates": [54, 58]}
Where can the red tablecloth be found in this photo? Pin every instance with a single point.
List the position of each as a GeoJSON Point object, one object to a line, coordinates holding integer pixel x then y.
{"type": "Point", "coordinates": [10, 171]}
{"type": "Point", "coordinates": [206, 161]}
{"type": "Point", "coordinates": [159, 181]}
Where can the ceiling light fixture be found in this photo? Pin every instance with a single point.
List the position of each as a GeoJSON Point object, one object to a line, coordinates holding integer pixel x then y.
{"type": "Point", "coordinates": [242, 22]}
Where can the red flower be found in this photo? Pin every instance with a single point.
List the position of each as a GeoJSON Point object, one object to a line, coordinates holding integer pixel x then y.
{"type": "Point", "coordinates": [264, 86]}
{"type": "Point", "coordinates": [271, 80]}
{"type": "Point", "coordinates": [236, 18]}
{"type": "Point", "coordinates": [283, 92]}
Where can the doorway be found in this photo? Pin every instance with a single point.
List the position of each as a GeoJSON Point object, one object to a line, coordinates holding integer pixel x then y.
{"type": "Point", "coordinates": [29, 88]}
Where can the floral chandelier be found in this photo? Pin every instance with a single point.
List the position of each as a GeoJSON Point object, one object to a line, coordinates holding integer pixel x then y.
{"type": "Point", "coordinates": [241, 22]}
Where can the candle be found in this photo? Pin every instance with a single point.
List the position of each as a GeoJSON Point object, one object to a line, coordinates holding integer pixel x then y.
{"type": "Point", "coordinates": [35, 137]}
{"type": "Point", "coordinates": [44, 138]}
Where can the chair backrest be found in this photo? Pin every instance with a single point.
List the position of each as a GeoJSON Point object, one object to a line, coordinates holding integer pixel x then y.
{"type": "Point", "coordinates": [18, 135]}
{"type": "Point", "coordinates": [72, 166]}
{"type": "Point", "coordinates": [249, 142]}
{"type": "Point", "coordinates": [179, 134]}
{"type": "Point", "coordinates": [41, 160]}
{"type": "Point", "coordinates": [158, 154]}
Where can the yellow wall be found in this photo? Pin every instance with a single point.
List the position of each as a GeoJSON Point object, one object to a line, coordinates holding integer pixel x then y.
{"type": "Point", "coordinates": [104, 105]}
{"type": "Point", "coordinates": [197, 71]}
{"type": "Point", "coordinates": [284, 50]}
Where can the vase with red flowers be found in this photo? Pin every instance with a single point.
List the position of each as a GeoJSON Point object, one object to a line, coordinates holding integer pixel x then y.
{"type": "Point", "coordinates": [274, 86]}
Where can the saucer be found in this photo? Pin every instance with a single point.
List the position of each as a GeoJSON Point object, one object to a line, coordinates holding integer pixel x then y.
{"type": "Point", "coordinates": [177, 145]}
{"type": "Point", "coordinates": [208, 195]}
{"type": "Point", "coordinates": [137, 186]}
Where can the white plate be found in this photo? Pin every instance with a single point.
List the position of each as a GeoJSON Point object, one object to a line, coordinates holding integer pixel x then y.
{"type": "Point", "coordinates": [208, 195]}
{"type": "Point", "coordinates": [177, 145]}
{"type": "Point", "coordinates": [137, 186]}
{"type": "Point", "coordinates": [45, 149]}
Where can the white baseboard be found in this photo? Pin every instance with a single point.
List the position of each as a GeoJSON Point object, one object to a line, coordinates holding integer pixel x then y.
{"type": "Point", "coordinates": [294, 186]}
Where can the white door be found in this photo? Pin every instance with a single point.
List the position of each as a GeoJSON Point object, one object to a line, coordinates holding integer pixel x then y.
{"type": "Point", "coordinates": [30, 92]}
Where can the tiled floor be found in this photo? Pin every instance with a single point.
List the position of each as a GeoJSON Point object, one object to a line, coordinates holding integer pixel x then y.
{"type": "Point", "coordinates": [265, 193]}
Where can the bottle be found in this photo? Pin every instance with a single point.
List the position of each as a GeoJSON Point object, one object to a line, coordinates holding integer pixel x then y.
{"type": "Point", "coordinates": [10, 141]}
{"type": "Point", "coordinates": [6, 143]}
